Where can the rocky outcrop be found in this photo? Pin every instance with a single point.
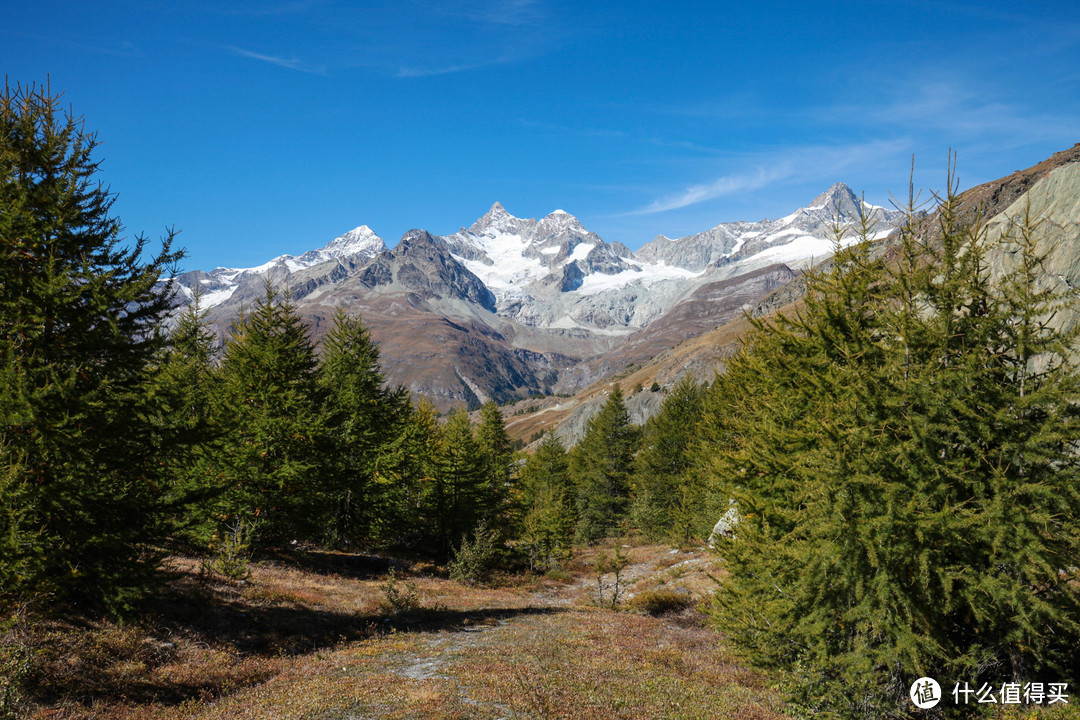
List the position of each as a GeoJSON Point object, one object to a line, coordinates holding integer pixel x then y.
{"type": "Point", "coordinates": [426, 267]}
{"type": "Point", "coordinates": [1052, 206]}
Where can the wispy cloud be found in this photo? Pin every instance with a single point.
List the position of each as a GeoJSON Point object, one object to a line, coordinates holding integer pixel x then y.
{"type": "Point", "coordinates": [512, 12]}
{"type": "Point", "coordinates": [290, 63]}
{"type": "Point", "coordinates": [464, 35]}
{"type": "Point", "coordinates": [974, 104]}
{"type": "Point", "coordinates": [416, 71]}
{"type": "Point", "coordinates": [726, 185]}
{"type": "Point", "coordinates": [122, 49]}
{"type": "Point", "coordinates": [790, 164]}
{"type": "Point", "coordinates": [500, 13]}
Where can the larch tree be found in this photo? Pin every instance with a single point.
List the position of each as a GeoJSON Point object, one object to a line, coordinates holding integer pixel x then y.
{"type": "Point", "coordinates": [668, 501]}
{"type": "Point", "coordinates": [363, 421]}
{"type": "Point", "coordinates": [901, 451]}
{"type": "Point", "coordinates": [187, 385]}
{"type": "Point", "coordinates": [80, 324]}
{"type": "Point", "coordinates": [601, 465]}
{"type": "Point", "coordinates": [498, 454]}
{"type": "Point", "coordinates": [548, 526]}
{"type": "Point", "coordinates": [457, 494]}
{"type": "Point", "coordinates": [276, 441]}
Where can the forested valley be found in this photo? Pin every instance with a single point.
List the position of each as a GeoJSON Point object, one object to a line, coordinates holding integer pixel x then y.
{"type": "Point", "coordinates": [892, 466]}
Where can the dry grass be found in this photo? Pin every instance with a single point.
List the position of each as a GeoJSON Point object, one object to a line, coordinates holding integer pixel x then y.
{"type": "Point", "coordinates": [586, 664]}
{"type": "Point", "coordinates": [306, 638]}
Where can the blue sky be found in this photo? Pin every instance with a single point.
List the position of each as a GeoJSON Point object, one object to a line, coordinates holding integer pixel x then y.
{"type": "Point", "coordinates": [269, 127]}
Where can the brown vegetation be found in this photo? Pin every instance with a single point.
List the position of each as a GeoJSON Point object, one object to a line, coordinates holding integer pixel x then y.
{"type": "Point", "coordinates": [310, 635]}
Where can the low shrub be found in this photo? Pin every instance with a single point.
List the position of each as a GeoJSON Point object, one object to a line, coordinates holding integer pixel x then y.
{"type": "Point", "coordinates": [474, 560]}
{"type": "Point", "coordinates": [662, 601]}
{"type": "Point", "coordinates": [559, 575]}
{"type": "Point", "coordinates": [399, 597]}
{"type": "Point", "coordinates": [231, 551]}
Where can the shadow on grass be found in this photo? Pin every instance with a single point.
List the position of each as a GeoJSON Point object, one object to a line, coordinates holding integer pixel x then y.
{"type": "Point", "coordinates": [295, 629]}
{"type": "Point", "coordinates": [203, 640]}
{"type": "Point", "coordinates": [439, 620]}
{"type": "Point", "coordinates": [349, 565]}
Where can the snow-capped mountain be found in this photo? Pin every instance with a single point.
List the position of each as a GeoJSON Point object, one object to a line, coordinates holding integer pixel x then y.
{"type": "Point", "coordinates": [221, 284]}
{"type": "Point", "coordinates": [510, 307]}
{"type": "Point", "coordinates": [797, 238]}
{"type": "Point", "coordinates": [360, 241]}
{"type": "Point", "coordinates": [509, 252]}
{"type": "Point", "coordinates": [544, 272]}
{"type": "Point", "coordinates": [553, 273]}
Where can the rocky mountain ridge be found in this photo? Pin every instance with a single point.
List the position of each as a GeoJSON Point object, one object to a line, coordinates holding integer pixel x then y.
{"type": "Point", "coordinates": [528, 306]}
{"type": "Point", "coordinates": [1049, 191]}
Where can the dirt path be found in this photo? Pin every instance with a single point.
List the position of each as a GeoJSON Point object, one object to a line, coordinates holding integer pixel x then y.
{"type": "Point", "coordinates": [297, 643]}
{"type": "Point", "coordinates": [563, 655]}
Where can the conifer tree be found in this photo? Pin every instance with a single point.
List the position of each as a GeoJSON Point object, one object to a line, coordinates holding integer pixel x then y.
{"type": "Point", "coordinates": [409, 464]}
{"type": "Point", "coordinates": [458, 494]}
{"type": "Point", "coordinates": [667, 497]}
{"type": "Point", "coordinates": [548, 525]}
{"type": "Point", "coordinates": [187, 384]}
{"type": "Point", "coordinates": [80, 312]}
{"type": "Point", "coordinates": [902, 493]}
{"type": "Point", "coordinates": [277, 438]}
{"type": "Point", "coordinates": [363, 419]}
{"type": "Point", "coordinates": [498, 454]}
{"type": "Point", "coordinates": [601, 465]}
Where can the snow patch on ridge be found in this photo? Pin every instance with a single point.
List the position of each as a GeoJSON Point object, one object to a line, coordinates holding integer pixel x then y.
{"type": "Point", "coordinates": [643, 275]}
{"type": "Point", "coordinates": [581, 252]}
{"type": "Point", "coordinates": [509, 267]}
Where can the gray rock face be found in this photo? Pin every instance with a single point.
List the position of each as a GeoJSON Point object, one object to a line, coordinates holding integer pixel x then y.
{"type": "Point", "coordinates": [739, 241]}
{"type": "Point", "coordinates": [426, 267]}
{"type": "Point", "coordinates": [532, 299]}
{"type": "Point", "coordinates": [725, 526]}
{"type": "Point", "coordinates": [1053, 203]}
{"type": "Point", "coordinates": [640, 406]}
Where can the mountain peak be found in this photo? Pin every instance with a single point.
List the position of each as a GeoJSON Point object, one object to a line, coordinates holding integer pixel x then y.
{"type": "Point", "coordinates": [837, 193]}
{"type": "Point", "coordinates": [497, 217]}
{"type": "Point", "coordinates": [839, 201]}
{"type": "Point", "coordinates": [358, 241]}
{"type": "Point", "coordinates": [497, 212]}
{"type": "Point", "coordinates": [561, 218]}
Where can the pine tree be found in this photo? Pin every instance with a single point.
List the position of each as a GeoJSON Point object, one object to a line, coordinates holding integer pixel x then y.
{"type": "Point", "coordinates": [363, 420]}
{"type": "Point", "coordinates": [80, 312]}
{"type": "Point", "coordinates": [498, 454]}
{"type": "Point", "coordinates": [276, 441]}
{"type": "Point", "coordinates": [187, 385]}
{"type": "Point", "coordinates": [667, 497]}
{"type": "Point", "coordinates": [548, 525]}
{"type": "Point", "coordinates": [457, 498]}
{"type": "Point", "coordinates": [901, 492]}
{"type": "Point", "coordinates": [410, 464]}
{"type": "Point", "coordinates": [601, 465]}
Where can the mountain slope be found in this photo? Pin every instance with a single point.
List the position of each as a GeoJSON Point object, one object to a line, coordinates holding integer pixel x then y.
{"type": "Point", "coordinates": [513, 307]}
{"type": "Point", "coordinates": [1052, 188]}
